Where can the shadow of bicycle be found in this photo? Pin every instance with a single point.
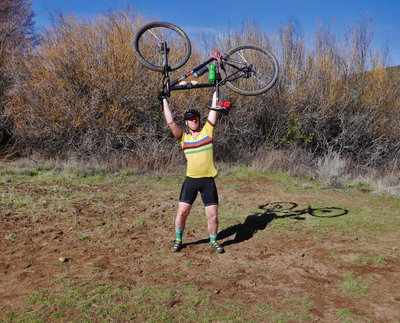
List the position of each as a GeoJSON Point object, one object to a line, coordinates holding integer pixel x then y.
{"type": "Point", "coordinates": [258, 221]}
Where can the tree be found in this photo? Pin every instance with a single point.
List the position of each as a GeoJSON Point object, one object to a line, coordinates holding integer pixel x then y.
{"type": "Point", "coordinates": [17, 33]}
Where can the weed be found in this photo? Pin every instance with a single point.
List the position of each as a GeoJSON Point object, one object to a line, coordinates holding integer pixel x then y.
{"type": "Point", "coordinates": [11, 315]}
{"type": "Point", "coordinates": [355, 285]}
{"type": "Point", "coordinates": [345, 314]}
{"type": "Point", "coordinates": [11, 236]}
{"type": "Point", "coordinates": [371, 258]}
{"type": "Point", "coordinates": [220, 276]}
{"type": "Point", "coordinates": [281, 317]}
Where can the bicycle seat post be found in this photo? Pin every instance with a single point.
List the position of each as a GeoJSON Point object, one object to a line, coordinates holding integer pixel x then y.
{"type": "Point", "coordinates": [217, 80]}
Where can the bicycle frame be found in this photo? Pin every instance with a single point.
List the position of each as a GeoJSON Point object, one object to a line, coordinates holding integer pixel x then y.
{"type": "Point", "coordinates": [176, 86]}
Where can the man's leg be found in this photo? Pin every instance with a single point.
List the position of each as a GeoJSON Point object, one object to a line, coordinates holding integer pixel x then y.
{"type": "Point", "coordinates": [212, 221]}
{"type": "Point", "coordinates": [183, 213]}
{"type": "Point", "coordinates": [180, 222]}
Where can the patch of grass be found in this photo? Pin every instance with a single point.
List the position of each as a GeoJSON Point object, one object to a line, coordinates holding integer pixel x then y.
{"type": "Point", "coordinates": [180, 302]}
{"type": "Point", "coordinates": [295, 310]}
{"type": "Point", "coordinates": [264, 309]}
{"type": "Point", "coordinates": [345, 314]}
{"type": "Point", "coordinates": [352, 284]}
{"type": "Point", "coordinates": [243, 172]}
{"type": "Point", "coordinates": [11, 236]}
{"type": "Point", "coordinates": [371, 258]}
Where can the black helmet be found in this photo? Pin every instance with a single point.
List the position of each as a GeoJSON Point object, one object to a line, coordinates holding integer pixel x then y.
{"type": "Point", "coordinates": [190, 114]}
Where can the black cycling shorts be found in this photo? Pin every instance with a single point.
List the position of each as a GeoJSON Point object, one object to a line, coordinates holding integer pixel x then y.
{"type": "Point", "coordinates": [206, 187]}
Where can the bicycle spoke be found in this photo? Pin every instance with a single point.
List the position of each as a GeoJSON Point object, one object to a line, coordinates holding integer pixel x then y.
{"type": "Point", "coordinates": [150, 46]}
{"type": "Point", "coordinates": [241, 55]}
{"type": "Point", "coordinates": [250, 69]}
{"type": "Point", "coordinates": [259, 79]}
{"type": "Point", "coordinates": [155, 36]}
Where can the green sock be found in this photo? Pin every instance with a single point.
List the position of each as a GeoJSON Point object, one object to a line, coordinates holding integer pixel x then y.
{"type": "Point", "coordinates": [213, 238]}
{"type": "Point", "coordinates": [179, 231]}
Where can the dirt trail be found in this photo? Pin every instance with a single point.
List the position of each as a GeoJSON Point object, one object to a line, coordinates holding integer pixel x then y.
{"type": "Point", "coordinates": [262, 263]}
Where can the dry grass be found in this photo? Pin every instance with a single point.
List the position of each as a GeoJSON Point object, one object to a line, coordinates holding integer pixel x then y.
{"type": "Point", "coordinates": [332, 170]}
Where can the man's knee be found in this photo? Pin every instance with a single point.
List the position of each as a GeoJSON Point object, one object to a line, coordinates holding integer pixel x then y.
{"type": "Point", "coordinates": [212, 212]}
{"type": "Point", "coordinates": [184, 210]}
{"type": "Point", "coordinates": [183, 213]}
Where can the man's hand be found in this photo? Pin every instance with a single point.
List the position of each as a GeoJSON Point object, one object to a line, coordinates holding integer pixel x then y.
{"type": "Point", "coordinates": [162, 95]}
{"type": "Point", "coordinates": [220, 106]}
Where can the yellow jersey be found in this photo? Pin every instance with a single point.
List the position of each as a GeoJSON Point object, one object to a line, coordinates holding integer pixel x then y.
{"type": "Point", "coordinates": [199, 152]}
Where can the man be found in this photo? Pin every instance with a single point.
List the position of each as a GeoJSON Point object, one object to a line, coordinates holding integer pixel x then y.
{"type": "Point", "coordinates": [200, 173]}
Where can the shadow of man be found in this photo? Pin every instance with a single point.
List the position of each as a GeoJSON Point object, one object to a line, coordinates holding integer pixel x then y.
{"type": "Point", "coordinates": [246, 230]}
{"type": "Point", "coordinates": [259, 221]}
{"type": "Point", "coordinates": [253, 223]}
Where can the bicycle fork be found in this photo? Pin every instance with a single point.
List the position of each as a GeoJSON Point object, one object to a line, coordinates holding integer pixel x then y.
{"type": "Point", "coordinates": [166, 84]}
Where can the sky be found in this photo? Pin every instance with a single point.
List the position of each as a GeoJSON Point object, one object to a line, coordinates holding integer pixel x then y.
{"type": "Point", "coordinates": [212, 16]}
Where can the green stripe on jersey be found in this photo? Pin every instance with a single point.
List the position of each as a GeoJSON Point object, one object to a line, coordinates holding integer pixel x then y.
{"type": "Point", "coordinates": [198, 151]}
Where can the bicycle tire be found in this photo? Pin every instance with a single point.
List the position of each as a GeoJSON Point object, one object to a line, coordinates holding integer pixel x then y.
{"type": "Point", "coordinates": [328, 212]}
{"type": "Point", "coordinates": [151, 35]}
{"type": "Point", "coordinates": [278, 207]}
{"type": "Point", "coordinates": [256, 80]}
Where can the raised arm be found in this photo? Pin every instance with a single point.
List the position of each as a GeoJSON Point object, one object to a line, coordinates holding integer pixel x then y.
{"type": "Point", "coordinates": [213, 115]}
{"type": "Point", "coordinates": [175, 129]}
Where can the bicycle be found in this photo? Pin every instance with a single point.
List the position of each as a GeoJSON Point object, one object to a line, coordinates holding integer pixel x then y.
{"type": "Point", "coordinates": [247, 69]}
{"type": "Point", "coordinates": [289, 209]}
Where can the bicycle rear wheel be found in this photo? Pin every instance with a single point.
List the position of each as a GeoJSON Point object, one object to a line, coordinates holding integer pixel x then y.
{"type": "Point", "coordinates": [328, 212]}
{"type": "Point", "coordinates": [148, 45]}
{"type": "Point", "coordinates": [250, 69]}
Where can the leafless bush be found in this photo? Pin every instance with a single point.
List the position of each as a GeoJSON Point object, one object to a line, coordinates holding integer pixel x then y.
{"type": "Point", "coordinates": [332, 170]}
{"type": "Point", "coordinates": [83, 93]}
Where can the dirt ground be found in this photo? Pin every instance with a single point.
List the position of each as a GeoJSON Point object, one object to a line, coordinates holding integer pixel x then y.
{"type": "Point", "coordinates": [271, 257]}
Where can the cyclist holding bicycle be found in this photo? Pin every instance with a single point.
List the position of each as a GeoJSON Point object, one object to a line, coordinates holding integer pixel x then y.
{"type": "Point", "coordinates": [200, 173]}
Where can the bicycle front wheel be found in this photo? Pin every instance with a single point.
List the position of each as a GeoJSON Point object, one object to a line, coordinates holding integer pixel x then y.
{"type": "Point", "coordinates": [250, 69]}
{"type": "Point", "coordinates": [149, 46]}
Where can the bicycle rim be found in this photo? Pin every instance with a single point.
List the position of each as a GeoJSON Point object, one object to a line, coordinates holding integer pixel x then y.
{"type": "Point", "coordinates": [148, 46]}
{"type": "Point", "coordinates": [256, 69]}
